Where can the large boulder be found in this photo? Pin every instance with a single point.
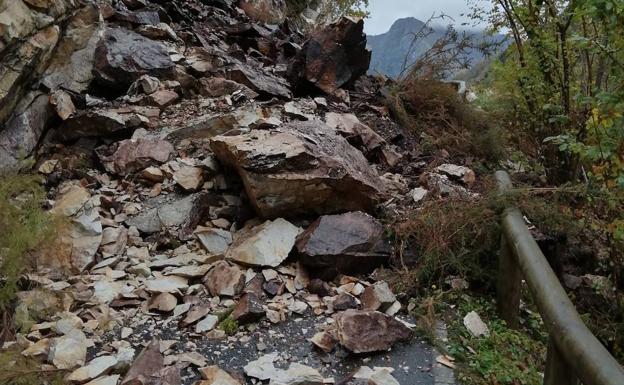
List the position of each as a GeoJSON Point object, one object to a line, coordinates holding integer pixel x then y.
{"type": "Point", "coordinates": [22, 132]}
{"type": "Point", "coordinates": [300, 168]}
{"type": "Point", "coordinates": [362, 331]}
{"type": "Point", "coordinates": [123, 56]}
{"type": "Point", "coordinates": [129, 156]}
{"type": "Point", "coordinates": [351, 243]}
{"type": "Point", "coordinates": [332, 57]}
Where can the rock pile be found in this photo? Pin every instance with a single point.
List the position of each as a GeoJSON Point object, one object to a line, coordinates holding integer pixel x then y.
{"type": "Point", "coordinates": [203, 199]}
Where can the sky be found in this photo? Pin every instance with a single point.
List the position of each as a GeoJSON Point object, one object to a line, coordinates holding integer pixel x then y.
{"type": "Point", "coordinates": [384, 12]}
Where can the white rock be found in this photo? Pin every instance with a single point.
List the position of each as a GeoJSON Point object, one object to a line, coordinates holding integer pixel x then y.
{"type": "Point", "coordinates": [297, 374]}
{"type": "Point", "coordinates": [207, 324]}
{"type": "Point", "coordinates": [106, 380]}
{"type": "Point", "coordinates": [265, 245]}
{"type": "Point", "coordinates": [262, 368]}
{"type": "Point", "coordinates": [475, 325]}
{"type": "Point", "coordinates": [68, 351]}
{"type": "Point", "coordinates": [95, 368]}
{"type": "Point", "coordinates": [168, 284]}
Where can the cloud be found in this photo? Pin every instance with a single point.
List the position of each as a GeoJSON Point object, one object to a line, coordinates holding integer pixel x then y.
{"type": "Point", "coordinates": [384, 12]}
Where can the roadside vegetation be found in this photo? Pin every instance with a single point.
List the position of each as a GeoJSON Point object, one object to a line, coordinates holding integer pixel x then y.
{"type": "Point", "coordinates": [550, 110]}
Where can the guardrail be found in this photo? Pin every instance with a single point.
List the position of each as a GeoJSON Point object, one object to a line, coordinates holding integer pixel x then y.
{"type": "Point", "coordinates": [574, 353]}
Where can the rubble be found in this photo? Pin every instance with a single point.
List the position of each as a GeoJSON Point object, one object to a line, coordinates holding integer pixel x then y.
{"type": "Point", "coordinates": [363, 331]}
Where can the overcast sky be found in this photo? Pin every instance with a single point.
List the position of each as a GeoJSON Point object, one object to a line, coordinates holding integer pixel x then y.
{"type": "Point", "coordinates": [384, 12]}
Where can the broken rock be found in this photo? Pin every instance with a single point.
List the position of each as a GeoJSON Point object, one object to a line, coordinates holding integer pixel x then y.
{"type": "Point", "coordinates": [224, 279]}
{"type": "Point", "coordinates": [249, 309]}
{"type": "Point", "coordinates": [378, 297]}
{"type": "Point", "coordinates": [129, 156]}
{"type": "Point", "coordinates": [300, 168]}
{"type": "Point", "coordinates": [363, 331]}
{"type": "Point", "coordinates": [95, 368]}
{"type": "Point", "coordinates": [347, 243]}
{"type": "Point", "coordinates": [265, 245]}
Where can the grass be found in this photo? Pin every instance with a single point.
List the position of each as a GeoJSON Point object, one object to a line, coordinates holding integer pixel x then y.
{"type": "Point", "coordinates": [20, 370]}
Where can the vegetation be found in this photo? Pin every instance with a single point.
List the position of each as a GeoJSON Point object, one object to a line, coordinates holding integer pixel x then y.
{"type": "Point", "coordinates": [20, 370]}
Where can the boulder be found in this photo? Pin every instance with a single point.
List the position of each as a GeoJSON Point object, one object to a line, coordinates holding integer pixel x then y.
{"type": "Point", "coordinates": [123, 56]}
{"type": "Point", "coordinates": [267, 244]}
{"type": "Point", "coordinates": [264, 83]}
{"type": "Point", "coordinates": [332, 57]}
{"type": "Point", "coordinates": [172, 212]}
{"type": "Point", "coordinates": [23, 131]}
{"type": "Point", "coordinates": [363, 331]}
{"type": "Point", "coordinates": [300, 168]}
{"type": "Point", "coordinates": [68, 351]}
{"type": "Point", "coordinates": [71, 67]}
{"type": "Point", "coordinates": [129, 156]}
{"type": "Point", "coordinates": [224, 279]}
{"type": "Point", "coordinates": [351, 243]}
{"type": "Point", "coordinates": [101, 123]}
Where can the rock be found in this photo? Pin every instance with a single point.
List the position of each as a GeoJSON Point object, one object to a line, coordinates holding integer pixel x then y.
{"type": "Point", "coordinates": [475, 325]}
{"type": "Point", "coordinates": [71, 200]}
{"type": "Point", "coordinates": [159, 31]}
{"type": "Point", "coordinates": [152, 174]}
{"type": "Point", "coordinates": [378, 297]}
{"type": "Point", "coordinates": [320, 287]}
{"type": "Point", "coordinates": [215, 241]}
{"type": "Point", "coordinates": [123, 56]}
{"type": "Point", "coordinates": [376, 376]}
{"type": "Point", "coordinates": [333, 57]}
{"type": "Point", "coordinates": [114, 240]}
{"type": "Point", "coordinates": [161, 99]}
{"type": "Point", "coordinates": [263, 368]}
{"type": "Point", "coordinates": [21, 134]}
{"type": "Point", "coordinates": [248, 310]}
{"type": "Point", "coordinates": [358, 134]}
{"type": "Point", "coordinates": [345, 301]}
{"type": "Point", "coordinates": [195, 314]}
{"type": "Point", "coordinates": [260, 81]}
{"type": "Point", "coordinates": [265, 245]}
{"type": "Point", "coordinates": [129, 156]}
{"type": "Point", "coordinates": [207, 324]}
{"type": "Point", "coordinates": [297, 374]}
{"type": "Point", "coordinates": [168, 284]}
{"type": "Point", "coordinates": [213, 375]}
{"type": "Point", "coordinates": [300, 168]}
{"type": "Point", "coordinates": [95, 368]}
{"type": "Point", "coordinates": [100, 123]}
{"type": "Point", "coordinates": [265, 11]}
{"type": "Point", "coordinates": [325, 341]}
{"type": "Point", "coordinates": [48, 166]}
{"type": "Point", "coordinates": [348, 243]}
{"type": "Point", "coordinates": [71, 67]}
{"type": "Point", "coordinates": [163, 302]}
{"type": "Point", "coordinates": [145, 84]}
{"type": "Point", "coordinates": [460, 173]}
{"type": "Point", "coordinates": [149, 363]}
{"type": "Point", "coordinates": [105, 380]}
{"type": "Point", "coordinates": [418, 194]}
{"type": "Point", "coordinates": [68, 351]}
{"type": "Point", "coordinates": [363, 331]}
{"type": "Point", "coordinates": [191, 271]}
{"type": "Point", "coordinates": [218, 87]}
{"type": "Point", "coordinates": [189, 178]}
{"type": "Point", "coordinates": [172, 212]}
{"type": "Point", "coordinates": [224, 279]}
{"type": "Point", "coordinates": [63, 104]}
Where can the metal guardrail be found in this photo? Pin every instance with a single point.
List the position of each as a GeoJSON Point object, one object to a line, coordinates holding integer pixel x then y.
{"type": "Point", "coordinates": [574, 353]}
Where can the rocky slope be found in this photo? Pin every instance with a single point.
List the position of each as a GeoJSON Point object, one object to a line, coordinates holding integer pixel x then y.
{"type": "Point", "coordinates": [225, 181]}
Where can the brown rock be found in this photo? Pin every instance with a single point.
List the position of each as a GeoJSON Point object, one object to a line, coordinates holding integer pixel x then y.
{"type": "Point", "coordinates": [149, 368]}
{"type": "Point", "coordinates": [218, 87]}
{"type": "Point", "coordinates": [195, 314]}
{"type": "Point", "coordinates": [128, 156]}
{"type": "Point", "coordinates": [224, 279]}
{"type": "Point", "coordinates": [249, 309]}
{"type": "Point", "coordinates": [164, 302]}
{"type": "Point", "coordinates": [300, 168]}
{"type": "Point", "coordinates": [345, 301]}
{"type": "Point", "coordinates": [189, 178]}
{"type": "Point", "coordinates": [162, 99]}
{"type": "Point", "coordinates": [63, 104]}
{"type": "Point", "coordinates": [378, 297]}
{"type": "Point", "coordinates": [348, 243]}
{"type": "Point", "coordinates": [369, 331]}
{"type": "Point", "coordinates": [102, 122]}
{"type": "Point", "coordinates": [333, 57]}
{"type": "Point", "coordinates": [265, 11]}
{"type": "Point", "coordinates": [213, 375]}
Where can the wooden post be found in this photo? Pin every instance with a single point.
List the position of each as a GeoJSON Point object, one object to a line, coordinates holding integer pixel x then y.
{"type": "Point", "coordinates": [557, 371]}
{"type": "Point", "coordinates": [509, 285]}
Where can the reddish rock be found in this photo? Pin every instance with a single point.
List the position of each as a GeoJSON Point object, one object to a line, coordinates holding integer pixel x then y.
{"type": "Point", "coordinates": [333, 57]}
{"type": "Point", "coordinates": [224, 279]}
{"type": "Point", "coordinates": [249, 309]}
{"type": "Point", "coordinates": [129, 156]}
{"type": "Point", "coordinates": [369, 331]}
{"type": "Point", "coordinates": [345, 301]}
{"type": "Point", "coordinates": [300, 168]}
{"type": "Point", "coordinates": [350, 243]}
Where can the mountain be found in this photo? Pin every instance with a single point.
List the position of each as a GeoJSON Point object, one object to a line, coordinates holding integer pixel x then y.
{"type": "Point", "coordinates": [390, 49]}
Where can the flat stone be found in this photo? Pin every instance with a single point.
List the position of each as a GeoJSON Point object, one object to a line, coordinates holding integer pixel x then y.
{"type": "Point", "coordinates": [265, 245]}
{"type": "Point", "coordinates": [263, 368]}
{"type": "Point", "coordinates": [163, 302]}
{"type": "Point", "coordinates": [213, 375]}
{"type": "Point", "coordinates": [189, 178]}
{"type": "Point", "coordinates": [215, 241]}
{"type": "Point", "coordinates": [168, 284]}
{"type": "Point", "coordinates": [297, 374]}
{"type": "Point", "coordinates": [207, 324]}
{"type": "Point", "coordinates": [68, 351]}
{"type": "Point", "coordinates": [129, 156]}
{"type": "Point", "coordinates": [94, 369]}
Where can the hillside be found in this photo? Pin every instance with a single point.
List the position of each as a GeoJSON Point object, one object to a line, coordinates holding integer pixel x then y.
{"type": "Point", "coordinates": [388, 56]}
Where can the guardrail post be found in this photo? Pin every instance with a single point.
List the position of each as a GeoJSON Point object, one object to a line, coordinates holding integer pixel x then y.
{"type": "Point", "coordinates": [557, 371]}
{"type": "Point", "coordinates": [508, 286]}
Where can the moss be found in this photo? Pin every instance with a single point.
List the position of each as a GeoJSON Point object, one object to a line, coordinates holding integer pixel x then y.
{"type": "Point", "coordinates": [229, 326]}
